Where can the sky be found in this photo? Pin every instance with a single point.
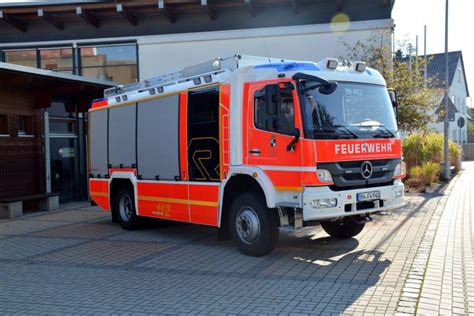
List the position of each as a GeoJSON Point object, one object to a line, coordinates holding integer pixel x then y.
{"type": "Point", "coordinates": [410, 16]}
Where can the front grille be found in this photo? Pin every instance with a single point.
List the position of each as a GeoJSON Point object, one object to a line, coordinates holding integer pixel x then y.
{"type": "Point", "coordinates": [347, 174]}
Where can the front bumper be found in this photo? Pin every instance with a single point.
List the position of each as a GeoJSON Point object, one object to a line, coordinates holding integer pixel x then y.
{"type": "Point", "coordinates": [390, 197]}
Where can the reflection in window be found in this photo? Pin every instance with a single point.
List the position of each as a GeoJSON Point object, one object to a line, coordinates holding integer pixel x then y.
{"type": "Point", "coordinates": [62, 126]}
{"type": "Point", "coordinates": [279, 119]}
{"type": "Point", "coordinates": [116, 63]}
{"type": "Point", "coordinates": [57, 59]}
{"type": "Point", "coordinates": [23, 57]}
{"type": "Point", "coordinates": [119, 74]}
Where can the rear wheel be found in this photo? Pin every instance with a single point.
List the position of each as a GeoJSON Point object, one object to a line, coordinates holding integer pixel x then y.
{"type": "Point", "coordinates": [124, 209]}
{"type": "Point", "coordinates": [253, 226]}
{"type": "Point", "coordinates": [344, 228]}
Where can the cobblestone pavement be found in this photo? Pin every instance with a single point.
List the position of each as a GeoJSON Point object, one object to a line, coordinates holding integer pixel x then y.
{"type": "Point", "coordinates": [447, 285]}
{"type": "Point", "coordinates": [77, 261]}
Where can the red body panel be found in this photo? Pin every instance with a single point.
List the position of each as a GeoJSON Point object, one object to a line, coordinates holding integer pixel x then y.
{"type": "Point", "coordinates": [99, 192]}
{"type": "Point", "coordinates": [204, 204]}
{"type": "Point", "coordinates": [224, 109]}
{"type": "Point", "coordinates": [183, 135]}
{"type": "Point", "coordinates": [272, 146]}
{"type": "Point", "coordinates": [99, 104]}
{"type": "Point", "coordinates": [163, 200]}
{"type": "Point", "coordinates": [181, 201]}
{"type": "Point", "coordinates": [112, 170]}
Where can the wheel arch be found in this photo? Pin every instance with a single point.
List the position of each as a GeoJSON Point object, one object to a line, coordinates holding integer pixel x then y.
{"type": "Point", "coordinates": [245, 179]}
{"type": "Point", "coordinates": [119, 179]}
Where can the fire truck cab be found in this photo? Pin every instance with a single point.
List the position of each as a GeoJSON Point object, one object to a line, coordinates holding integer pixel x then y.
{"type": "Point", "coordinates": [250, 145]}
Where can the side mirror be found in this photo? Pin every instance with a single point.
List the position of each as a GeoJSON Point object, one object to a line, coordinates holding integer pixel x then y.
{"type": "Point", "coordinates": [393, 97]}
{"type": "Point", "coordinates": [296, 139]}
{"type": "Point", "coordinates": [272, 94]}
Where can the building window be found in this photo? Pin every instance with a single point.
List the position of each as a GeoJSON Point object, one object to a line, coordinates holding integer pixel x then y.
{"type": "Point", "coordinates": [57, 59]}
{"type": "Point", "coordinates": [25, 125]}
{"type": "Point", "coordinates": [23, 57]}
{"type": "Point", "coordinates": [116, 63]}
{"type": "Point", "coordinates": [59, 125]}
{"type": "Point", "coordinates": [4, 125]}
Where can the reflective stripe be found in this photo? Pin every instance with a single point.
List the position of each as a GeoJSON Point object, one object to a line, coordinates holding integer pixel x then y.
{"type": "Point", "coordinates": [288, 168]}
{"type": "Point", "coordinates": [99, 193]}
{"type": "Point", "coordinates": [178, 201]}
{"type": "Point", "coordinates": [285, 188]}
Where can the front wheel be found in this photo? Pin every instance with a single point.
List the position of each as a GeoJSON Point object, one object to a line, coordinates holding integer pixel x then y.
{"type": "Point", "coordinates": [125, 212]}
{"type": "Point", "coordinates": [344, 228]}
{"type": "Point", "coordinates": [253, 226]}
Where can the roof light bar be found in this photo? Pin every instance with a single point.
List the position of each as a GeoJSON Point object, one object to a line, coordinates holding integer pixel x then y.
{"type": "Point", "coordinates": [360, 66]}
{"type": "Point", "coordinates": [332, 63]}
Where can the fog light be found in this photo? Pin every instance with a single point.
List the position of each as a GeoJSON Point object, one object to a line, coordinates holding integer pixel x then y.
{"type": "Point", "coordinates": [398, 193]}
{"type": "Point", "coordinates": [323, 203]}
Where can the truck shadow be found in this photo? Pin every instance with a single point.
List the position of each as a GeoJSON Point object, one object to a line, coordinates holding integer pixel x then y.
{"type": "Point", "coordinates": [325, 274]}
{"type": "Point", "coordinates": [338, 272]}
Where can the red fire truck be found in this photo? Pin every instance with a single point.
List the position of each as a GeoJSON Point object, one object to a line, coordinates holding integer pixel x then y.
{"type": "Point", "coordinates": [250, 145]}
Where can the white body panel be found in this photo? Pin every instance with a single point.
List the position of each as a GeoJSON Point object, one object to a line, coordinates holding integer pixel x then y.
{"type": "Point", "coordinates": [387, 194]}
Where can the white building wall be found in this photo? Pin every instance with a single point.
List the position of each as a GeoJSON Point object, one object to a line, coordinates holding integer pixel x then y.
{"type": "Point", "coordinates": [458, 94]}
{"type": "Point", "coordinates": [168, 53]}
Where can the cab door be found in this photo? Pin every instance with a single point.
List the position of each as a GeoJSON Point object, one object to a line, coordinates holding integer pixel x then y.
{"type": "Point", "coordinates": [274, 125]}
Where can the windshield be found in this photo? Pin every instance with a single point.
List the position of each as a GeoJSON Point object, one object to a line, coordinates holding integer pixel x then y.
{"type": "Point", "coordinates": [353, 110]}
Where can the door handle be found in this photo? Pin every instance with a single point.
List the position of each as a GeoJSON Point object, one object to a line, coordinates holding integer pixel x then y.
{"type": "Point", "coordinates": [255, 151]}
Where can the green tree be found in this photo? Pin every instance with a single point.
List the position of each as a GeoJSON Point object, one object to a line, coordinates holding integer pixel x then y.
{"type": "Point", "coordinates": [470, 127]}
{"type": "Point", "coordinates": [470, 124]}
{"type": "Point", "coordinates": [416, 103]}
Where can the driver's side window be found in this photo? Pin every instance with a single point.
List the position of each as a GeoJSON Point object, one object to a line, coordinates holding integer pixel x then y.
{"type": "Point", "coordinates": [278, 117]}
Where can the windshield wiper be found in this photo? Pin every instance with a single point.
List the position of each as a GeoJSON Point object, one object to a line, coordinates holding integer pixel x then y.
{"type": "Point", "coordinates": [334, 128]}
{"type": "Point", "coordinates": [385, 133]}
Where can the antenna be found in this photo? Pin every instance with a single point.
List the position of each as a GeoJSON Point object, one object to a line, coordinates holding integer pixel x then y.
{"type": "Point", "coordinates": [426, 61]}
{"type": "Point", "coordinates": [266, 50]}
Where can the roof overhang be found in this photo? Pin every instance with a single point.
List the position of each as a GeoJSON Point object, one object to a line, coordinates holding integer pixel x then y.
{"type": "Point", "coordinates": [46, 85]}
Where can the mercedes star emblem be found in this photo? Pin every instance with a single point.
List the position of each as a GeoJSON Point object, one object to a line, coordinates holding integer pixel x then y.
{"type": "Point", "coordinates": [366, 169]}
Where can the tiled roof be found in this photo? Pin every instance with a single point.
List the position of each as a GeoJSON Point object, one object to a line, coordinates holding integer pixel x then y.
{"type": "Point", "coordinates": [436, 68]}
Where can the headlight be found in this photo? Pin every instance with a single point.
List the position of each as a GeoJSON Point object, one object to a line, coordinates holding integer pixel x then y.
{"type": "Point", "coordinates": [323, 203]}
{"type": "Point", "coordinates": [324, 175]}
{"type": "Point", "coordinates": [400, 170]}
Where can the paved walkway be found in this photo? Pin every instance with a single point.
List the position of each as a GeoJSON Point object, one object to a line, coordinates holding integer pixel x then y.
{"type": "Point", "coordinates": [448, 284]}
{"type": "Point", "coordinates": [77, 261]}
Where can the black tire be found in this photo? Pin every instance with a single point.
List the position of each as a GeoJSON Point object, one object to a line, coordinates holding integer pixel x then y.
{"type": "Point", "coordinates": [124, 209]}
{"type": "Point", "coordinates": [345, 228]}
{"type": "Point", "coordinates": [247, 212]}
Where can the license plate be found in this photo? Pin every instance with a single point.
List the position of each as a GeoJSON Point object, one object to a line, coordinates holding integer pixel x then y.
{"type": "Point", "coordinates": [368, 196]}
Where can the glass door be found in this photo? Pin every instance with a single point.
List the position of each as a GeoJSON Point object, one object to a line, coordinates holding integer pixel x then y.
{"type": "Point", "coordinates": [66, 154]}
{"type": "Point", "coordinates": [64, 176]}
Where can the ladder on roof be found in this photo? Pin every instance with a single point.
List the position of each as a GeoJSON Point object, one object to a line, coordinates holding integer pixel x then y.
{"type": "Point", "coordinates": [215, 66]}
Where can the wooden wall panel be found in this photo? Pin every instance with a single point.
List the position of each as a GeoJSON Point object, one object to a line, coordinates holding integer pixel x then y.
{"type": "Point", "coordinates": [22, 169]}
